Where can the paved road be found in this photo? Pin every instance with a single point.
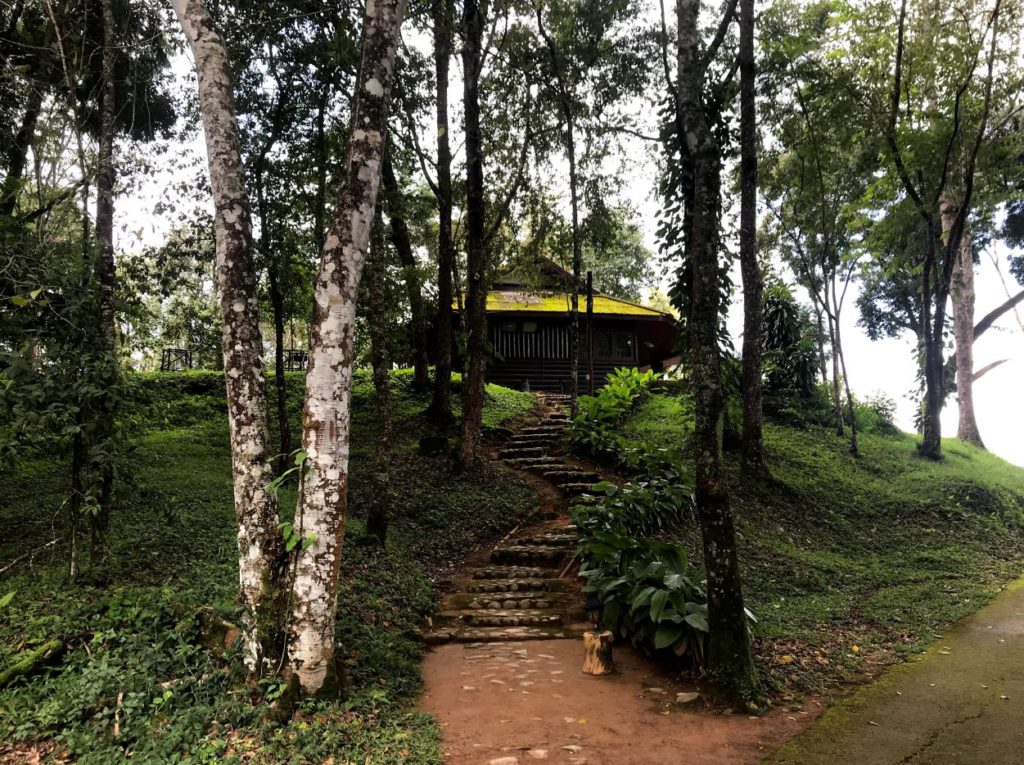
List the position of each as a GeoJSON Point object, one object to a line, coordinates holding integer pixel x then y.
{"type": "Point", "coordinates": [961, 703]}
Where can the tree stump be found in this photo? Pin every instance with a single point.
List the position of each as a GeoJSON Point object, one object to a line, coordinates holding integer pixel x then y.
{"type": "Point", "coordinates": [597, 653]}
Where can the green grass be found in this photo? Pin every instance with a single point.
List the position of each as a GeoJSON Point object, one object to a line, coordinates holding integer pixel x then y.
{"type": "Point", "coordinates": [136, 657]}
{"type": "Point", "coordinates": [880, 551]}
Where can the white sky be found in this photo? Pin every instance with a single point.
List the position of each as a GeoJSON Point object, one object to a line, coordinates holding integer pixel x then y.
{"type": "Point", "coordinates": [887, 366]}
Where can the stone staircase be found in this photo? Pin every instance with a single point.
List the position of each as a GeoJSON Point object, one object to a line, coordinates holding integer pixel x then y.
{"type": "Point", "coordinates": [519, 590]}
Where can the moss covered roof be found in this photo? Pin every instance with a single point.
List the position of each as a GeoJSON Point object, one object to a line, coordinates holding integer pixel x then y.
{"type": "Point", "coordinates": [504, 301]}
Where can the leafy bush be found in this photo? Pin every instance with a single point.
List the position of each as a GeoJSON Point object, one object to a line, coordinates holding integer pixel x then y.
{"type": "Point", "coordinates": [593, 431]}
{"type": "Point", "coordinates": [650, 593]}
{"type": "Point", "coordinates": [877, 414]}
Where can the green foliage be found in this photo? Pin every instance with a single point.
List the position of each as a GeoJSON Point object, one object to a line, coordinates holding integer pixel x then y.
{"type": "Point", "coordinates": [790, 353]}
{"type": "Point", "coordinates": [650, 594]}
{"type": "Point", "coordinates": [140, 650]}
{"type": "Point", "coordinates": [648, 591]}
{"type": "Point", "coordinates": [876, 414]}
{"type": "Point", "coordinates": [594, 429]}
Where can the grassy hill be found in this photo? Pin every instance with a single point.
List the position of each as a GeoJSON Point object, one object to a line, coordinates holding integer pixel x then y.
{"type": "Point", "coordinates": [852, 562]}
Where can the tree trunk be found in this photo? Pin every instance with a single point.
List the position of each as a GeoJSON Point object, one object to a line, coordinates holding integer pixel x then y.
{"type": "Point", "coordinates": [18, 151]}
{"type": "Point", "coordinates": [565, 100]}
{"type": "Point", "coordinates": [753, 442]}
{"type": "Point", "coordinates": [837, 399]}
{"type": "Point", "coordinates": [414, 288]}
{"type": "Point", "coordinates": [441, 406]}
{"type": "Point", "coordinates": [323, 500]}
{"type": "Point", "coordinates": [962, 294]}
{"type": "Point", "coordinates": [597, 652]}
{"type": "Point", "coordinates": [838, 351]}
{"type": "Point", "coordinates": [284, 427]}
{"type": "Point", "coordinates": [379, 510]}
{"type": "Point", "coordinates": [104, 271]}
{"type": "Point", "coordinates": [259, 542]}
{"type": "Point", "coordinates": [729, 657]}
{"type": "Point", "coordinates": [476, 256]}
{"type": "Point", "coordinates": [820, 336]}
{"type": "Point", "coordinates": [320, 202]}
{"type": "Point", "coordinates": [934, 376]}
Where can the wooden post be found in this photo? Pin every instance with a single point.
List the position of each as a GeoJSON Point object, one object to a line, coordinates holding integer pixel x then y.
{"type": "Point", "coordinates": [590, 333]}
{"type": "Point", "coordinates": [597, 653]}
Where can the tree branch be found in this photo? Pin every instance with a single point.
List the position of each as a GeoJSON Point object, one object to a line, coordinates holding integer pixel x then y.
{"type": "Point", "coordinates": [993, 316]}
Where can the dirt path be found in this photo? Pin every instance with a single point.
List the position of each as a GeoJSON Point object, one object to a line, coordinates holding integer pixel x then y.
{"type": "Point", "coordinates": [961, 702]}
{"type": "Point", "coordinates": [519, 703]}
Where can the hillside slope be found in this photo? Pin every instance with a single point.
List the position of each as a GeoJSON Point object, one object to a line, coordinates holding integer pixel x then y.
{"type": "Point", "coordinates": [852, 562]}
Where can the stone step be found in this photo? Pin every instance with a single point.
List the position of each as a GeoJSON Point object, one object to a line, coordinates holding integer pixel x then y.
{"type": "Point", "coordinates": [527, 462]}
{"type": "Point", "coordinates": [487, 587]}
{"type": "Point", "coordinates": [504, 600]}
{"type": "Point", "coordinates": [571, 475]}
{"type": "Point", "coordinates": [549, 437]}
{"type": "Point", "coordinates": [516, 553]}
{"type": "Point", "coordinates": [519, 442]}
{"type": "Point", "coordinates": [554, 428]}
{"type": "Point", "coordinates": [539, 468]}
{"type": "Point", "coordinates": [466, 634]}
{"type": "Point", "coordinates": [550, 539]}
{"type": "Point", "coordinates": [575, 489]}
{"type": "Point", "coordinates": [512, 572]}
{"type": "Point", "coordinates": [519, 617]}
{"type": "Point", "coordinates": [523, 451]}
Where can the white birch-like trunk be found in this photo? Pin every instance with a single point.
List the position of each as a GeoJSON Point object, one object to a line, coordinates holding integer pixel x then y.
{"type": "Point", "coordinates": [256, 512]}
{"type": "Point", "coordinates": [325, 428]}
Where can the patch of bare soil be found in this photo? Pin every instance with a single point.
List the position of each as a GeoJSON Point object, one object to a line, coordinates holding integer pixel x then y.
{"type": "Point", "coordinates": [519, 703]}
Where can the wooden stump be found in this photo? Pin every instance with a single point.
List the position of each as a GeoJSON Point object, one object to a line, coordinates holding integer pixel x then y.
{"type": "Point", "coordinates": [597, 653]}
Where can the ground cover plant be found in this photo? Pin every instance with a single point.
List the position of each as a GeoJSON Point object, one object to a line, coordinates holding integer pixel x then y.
{"type": "Point", "coordinates": [147, 667]}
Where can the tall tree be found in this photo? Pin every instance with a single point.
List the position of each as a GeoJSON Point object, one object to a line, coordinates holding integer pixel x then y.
{"type": "Point", "coordinates": [567, 109]}
{"type": "Point", "coordinates": [947, 183]}
{"type": "Point", "coordinates": [729, 657]}
{"type": "Point", "coordinates": [256, 509]}
{"type": "Point", "coordinates": [753, 444]}
{"type": "Point", "coordinates": [105, 271]}
{"type": "Point", "coordinates": [323, 499]}
{"type": "Point", "coordinates": [441, 404]}
{"type": "Point", "coordinates": [476, 253]}
{"type": "Point", "coordinates": [402, 242]}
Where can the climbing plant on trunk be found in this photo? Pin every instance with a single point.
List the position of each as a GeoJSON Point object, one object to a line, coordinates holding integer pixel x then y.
{"type": "Point", "coordinates": [729, 658]}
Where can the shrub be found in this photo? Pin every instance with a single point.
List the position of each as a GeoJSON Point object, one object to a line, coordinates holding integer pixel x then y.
{"type": "Point", "coordinates": [650, 593]}
{"type": "Point", "coordinates": [593, 431]}
{"type": "Point", "coordinates": [876, 414]}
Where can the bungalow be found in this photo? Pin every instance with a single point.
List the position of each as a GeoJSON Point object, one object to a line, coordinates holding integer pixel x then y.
{"type": "Point", "coordinates": [528, 328]}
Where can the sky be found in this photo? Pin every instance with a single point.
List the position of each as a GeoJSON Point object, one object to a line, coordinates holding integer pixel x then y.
{"type": "Point", "coordinates": [885, 366]}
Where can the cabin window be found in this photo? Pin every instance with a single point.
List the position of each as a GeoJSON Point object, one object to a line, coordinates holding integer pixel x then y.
{"type": "Point", "coordinates": [508, 326]}
{"type": "Point", "coordinates": [614, 345]}
{"type": "Point", "coordinates": [529, 326]}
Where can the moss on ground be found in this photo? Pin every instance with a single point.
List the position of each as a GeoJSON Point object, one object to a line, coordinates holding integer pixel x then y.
{"type": "Point", "coordinates": [135, 661]}
{"type": "Point", "coordinates": [851, 563]}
